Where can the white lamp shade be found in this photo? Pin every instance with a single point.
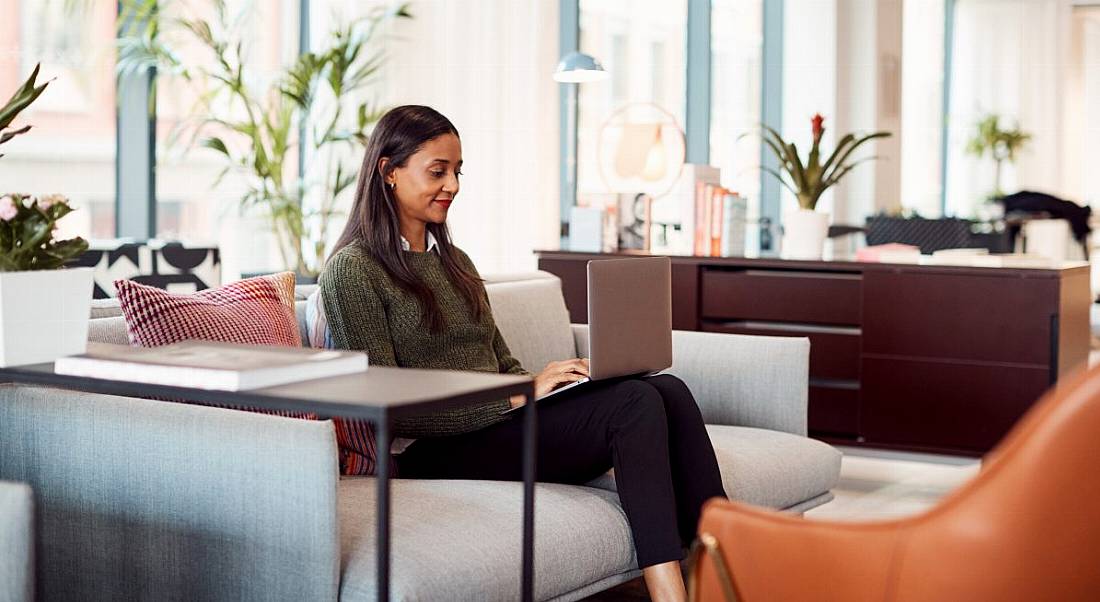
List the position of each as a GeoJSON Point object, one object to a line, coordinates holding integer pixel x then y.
{"type": "Point", "coordinates": [577, 67]}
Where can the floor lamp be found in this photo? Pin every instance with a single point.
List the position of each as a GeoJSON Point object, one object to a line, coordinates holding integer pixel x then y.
{"type": "Point", "coordinates": [574, 68]}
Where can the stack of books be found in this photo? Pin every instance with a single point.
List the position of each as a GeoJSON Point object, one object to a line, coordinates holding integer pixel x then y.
{"type": "Point", "coordinates": [210, 365]}
{"type": "Point", "coordinates": [720, 216]}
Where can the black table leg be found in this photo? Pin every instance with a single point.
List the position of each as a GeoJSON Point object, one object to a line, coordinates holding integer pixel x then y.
{"type": "Point", "coordinates": [382, 507]}
{"type": "Point", "coordinates": [530, 440]}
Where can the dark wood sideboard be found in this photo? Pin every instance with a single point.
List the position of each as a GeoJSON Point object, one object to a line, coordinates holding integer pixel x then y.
{"type": "Point", "coordinates": [939, 359]}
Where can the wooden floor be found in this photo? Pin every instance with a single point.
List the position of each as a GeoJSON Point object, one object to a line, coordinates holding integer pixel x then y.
{"type": "Point", "coordinates": [873, 485]}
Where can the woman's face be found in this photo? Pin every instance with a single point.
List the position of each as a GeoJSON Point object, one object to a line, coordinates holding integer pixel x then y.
{"type": "Point", "coordinates": [428, 183]}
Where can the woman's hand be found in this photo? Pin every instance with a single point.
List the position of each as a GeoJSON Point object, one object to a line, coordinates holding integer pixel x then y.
{"type": "Point", "coordinates": [554, 375]}
{"type": "Point", "coordinates": [560, 373]}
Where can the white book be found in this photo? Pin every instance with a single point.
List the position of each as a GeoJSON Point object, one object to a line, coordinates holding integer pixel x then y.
{"type": "Point", "coordinates": [678, 206]}
{"type": "Point", "coordinates": [734, 212]}
{"type": "Point", "coordinates": [987, 260]}
{"type": "Point", "coordinates": [210, 365]}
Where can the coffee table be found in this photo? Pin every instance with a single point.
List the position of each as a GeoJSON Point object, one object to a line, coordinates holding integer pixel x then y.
{"type": "Point", "coordinates": [381, 395]}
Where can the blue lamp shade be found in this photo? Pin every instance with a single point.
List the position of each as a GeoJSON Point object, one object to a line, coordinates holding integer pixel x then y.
{"type": "Point", "coordinates": [577, 67]}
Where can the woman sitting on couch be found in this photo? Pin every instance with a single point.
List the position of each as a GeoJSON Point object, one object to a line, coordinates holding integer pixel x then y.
{"type": "Point", "coordinates": [397, 288]}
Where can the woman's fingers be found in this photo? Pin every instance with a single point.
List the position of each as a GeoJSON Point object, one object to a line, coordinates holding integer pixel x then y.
{"type": "Point", "coordinates": [578, 365]}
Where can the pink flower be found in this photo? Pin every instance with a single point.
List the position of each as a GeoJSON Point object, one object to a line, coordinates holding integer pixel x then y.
{"type": "Point", "coordinates": [8, 210]}
{"type": "Point", "coordinates": [49, 200]}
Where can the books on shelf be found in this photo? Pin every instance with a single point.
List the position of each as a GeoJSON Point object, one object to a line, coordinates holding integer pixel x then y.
{"type": "Point", "coordinates": [680, 205]}
{"type": "Point", "coordinates": [210, 365]}
{"type": "Point", "coordinates": [720, 216]}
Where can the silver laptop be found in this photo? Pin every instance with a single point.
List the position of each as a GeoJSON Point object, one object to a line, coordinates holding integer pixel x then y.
{"type": "Point", "coordinates": [629, 319]}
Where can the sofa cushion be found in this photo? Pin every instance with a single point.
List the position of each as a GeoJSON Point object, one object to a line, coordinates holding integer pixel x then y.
{"type": "Point", "coordinates": [258, 311]}
{"type": "Point", "coordinates": [108, 330]}
{"type": "Point", "coordinates": [461, 540]}
{"type": "Point", "coordinates": [767, 468]}
{"type": "Point", "coordinates": [533, 320]}
{"type": "Point", "coordinates": [105, 308]}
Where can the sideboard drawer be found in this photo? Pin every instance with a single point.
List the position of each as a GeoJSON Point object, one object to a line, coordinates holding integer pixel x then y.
{"type": "Point", "coordinates": [834, 350]}
{"type": "Point", "coordinates": [944, 405]}
{"type": "Point", "coordinates": [781, 295]}
{"type": "Point", "coordinates": [834, 411]}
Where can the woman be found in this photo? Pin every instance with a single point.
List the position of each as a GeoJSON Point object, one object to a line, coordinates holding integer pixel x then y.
{"type": "Point", "coordinates": [398, 288]}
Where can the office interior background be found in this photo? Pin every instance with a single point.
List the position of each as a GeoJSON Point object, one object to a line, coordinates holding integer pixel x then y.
{"type": "Point", "coordinates": [126, 147]}
{"type": "Point", "coordinates": [925, 70]}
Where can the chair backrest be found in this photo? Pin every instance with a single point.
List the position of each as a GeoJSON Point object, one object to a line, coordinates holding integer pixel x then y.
{"type": "Point", "coordinates": [531, 315]}
{"type": "Point", "coordinates": [928, 234]}
{"type": "Point", "coordinates": [16, 542]}
{"type": "Point", "coordinates": [528, 307]}
{"type": "Point", "coordinates": [1027, 527]}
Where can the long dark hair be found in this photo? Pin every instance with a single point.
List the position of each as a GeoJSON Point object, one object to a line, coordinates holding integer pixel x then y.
{"type": "Point", "coordinates": [374, 225]}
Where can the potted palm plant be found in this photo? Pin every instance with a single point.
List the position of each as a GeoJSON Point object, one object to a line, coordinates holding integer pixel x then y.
{"type": "Point", "coordinates": [43, 306]}
{"type": "Point", "coordinates": [260, 129]}
{"type": "Point", "coordinates": [805, 229]}
{"type": "Point", "coordinates": [1001, 144]}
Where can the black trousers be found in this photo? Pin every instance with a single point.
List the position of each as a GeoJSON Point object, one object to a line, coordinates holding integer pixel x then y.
{"type": "Point", "coordinates": [650, 430]}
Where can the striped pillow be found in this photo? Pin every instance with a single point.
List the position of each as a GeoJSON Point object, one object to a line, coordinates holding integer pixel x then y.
{"type": "Point", "coordinates": [255, 311]}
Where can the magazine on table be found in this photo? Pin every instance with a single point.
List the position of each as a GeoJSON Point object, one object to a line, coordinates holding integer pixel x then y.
{"type": "Point", "coordinates": [210, 364]}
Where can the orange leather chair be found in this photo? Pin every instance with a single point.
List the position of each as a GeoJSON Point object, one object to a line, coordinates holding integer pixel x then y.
{"type": "Point", "coordinates": [1026, 528]}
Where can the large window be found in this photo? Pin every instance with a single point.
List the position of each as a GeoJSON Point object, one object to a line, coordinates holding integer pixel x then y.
{"type": "Point", "coordinates": [1082, 145]}
{"type": "Point", "coordinates": [196, 202]}
{"type": "Point", "coordinates": [642, 44]}
{"type": "Point", "coordinates": [922, 106]}
{"type": "Point", "coordinates": [71, 146]}
{"type": "Point", "coordinates": [736, 57]}
{"type": "Point", "coordinates": [1009, 58]}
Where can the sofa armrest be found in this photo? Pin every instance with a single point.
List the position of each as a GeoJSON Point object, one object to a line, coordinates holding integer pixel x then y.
{"type": "Point", "coordinates": [744, 380]}
{"type": "Point", "coordinates": [16, 542]}
{"type": "Point", "coordinates": [740, 380]}
{"type": "Point", "coordinates": [160, 500]}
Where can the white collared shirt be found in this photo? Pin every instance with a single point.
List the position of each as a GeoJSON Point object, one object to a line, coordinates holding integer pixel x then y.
{"type": "Point", "coordinates": [405, 246]}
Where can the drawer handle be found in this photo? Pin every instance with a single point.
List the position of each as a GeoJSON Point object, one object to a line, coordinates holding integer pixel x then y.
{"type": "Point", "coordinates": [794, 327]}
{"type": "Point", "coordinates": [792, 274]}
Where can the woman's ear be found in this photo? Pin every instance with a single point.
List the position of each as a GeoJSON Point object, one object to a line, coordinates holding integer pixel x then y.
{"type": "Point", "coordinates": [385, 169]}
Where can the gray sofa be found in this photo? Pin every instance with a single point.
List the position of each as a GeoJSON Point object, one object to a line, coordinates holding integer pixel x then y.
{"type": "Point", "coordinates": [150, 500]}
{"type": "Point", "coordinates": [16, 543]}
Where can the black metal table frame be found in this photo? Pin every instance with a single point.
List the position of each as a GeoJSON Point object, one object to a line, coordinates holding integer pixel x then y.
{"type": "Point", "coordinates": [382, 416]}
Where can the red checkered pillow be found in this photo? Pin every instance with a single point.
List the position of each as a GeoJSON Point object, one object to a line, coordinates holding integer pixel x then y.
{"type": "Point", "coordinates": [256, 311]}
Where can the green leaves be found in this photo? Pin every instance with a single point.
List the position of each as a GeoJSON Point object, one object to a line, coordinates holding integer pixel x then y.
{"type": "Point", "coordinates": [810, 180]}
{"type": "Point", "coordinates": [26, 234]}
{"type": "Point", "coordinates": [255, 123]}
{"type": "Point", "coordinates": [1001, 143]}
{"type": "Point", "coordinates": [23, 97]}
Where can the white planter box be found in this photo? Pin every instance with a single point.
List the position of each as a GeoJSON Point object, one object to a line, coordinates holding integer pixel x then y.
{"type": "Point", "coordinates": [804, 233]}
{"type": "Point", "coordinates": [43, 315]}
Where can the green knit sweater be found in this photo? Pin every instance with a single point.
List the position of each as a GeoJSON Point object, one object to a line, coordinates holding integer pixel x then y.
{"type": "Point", "coordinates": [366, 310]}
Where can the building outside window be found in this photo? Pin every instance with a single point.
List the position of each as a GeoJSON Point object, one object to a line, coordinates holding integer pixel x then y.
{"type": "Point", "coordinates": [71, 146]}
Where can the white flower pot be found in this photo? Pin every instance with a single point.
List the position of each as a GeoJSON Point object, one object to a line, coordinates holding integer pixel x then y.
{"type": "Point", "coordinates": [43, 315]}
{"type": "Point", "coordinates": [804, 233]}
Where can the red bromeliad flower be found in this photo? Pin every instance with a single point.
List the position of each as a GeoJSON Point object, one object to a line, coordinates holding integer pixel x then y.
{"type": "Point", "coordinates": [818, 128]}
{"type": "Point", "coordinates": [808, 179]}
